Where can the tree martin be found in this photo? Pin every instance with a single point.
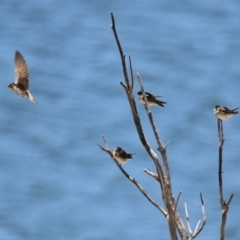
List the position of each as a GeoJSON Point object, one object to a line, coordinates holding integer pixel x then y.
{"type": "Point", "coordinates": [20, 87]}
{"type": "Point", "coordinates": [121, 156]}
{"type": "Point", "coordinates": [152, 101]}
{"type": "Point", "coordinates": [223, 113]}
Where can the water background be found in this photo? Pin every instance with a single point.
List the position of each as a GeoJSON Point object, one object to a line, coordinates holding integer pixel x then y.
{"type": "Point", "coordinates": [55, 182]}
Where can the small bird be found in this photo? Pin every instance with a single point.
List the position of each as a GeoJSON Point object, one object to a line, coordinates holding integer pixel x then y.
{"type": "Point", "coordinates": [223, 113]}
{"type": "Point", "coordinates": [151, 99]}
{"type": "Point", "coordinates": [20, 87]}
{"type": "Point", "coordinates": [121, 156]}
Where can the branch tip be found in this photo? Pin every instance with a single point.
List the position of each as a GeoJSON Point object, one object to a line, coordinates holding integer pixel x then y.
{"type": "Point", "coordinates": [167, 145]}
{"type": "Point", "coordinates": [178, 197]}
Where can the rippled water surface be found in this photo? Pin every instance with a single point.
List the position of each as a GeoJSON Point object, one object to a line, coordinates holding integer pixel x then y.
{"type": "Point", "coordinates": [55, 183]}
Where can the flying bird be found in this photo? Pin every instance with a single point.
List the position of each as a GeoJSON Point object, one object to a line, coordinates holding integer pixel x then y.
{"type": "Point", "coordinates": [152, 101]}
{"type": "Point", "coordinates": [121, 156]}
{"type": "Point", "coordinates": [223, 113]}
{"type": "Point", "coordinates": [21, 85]}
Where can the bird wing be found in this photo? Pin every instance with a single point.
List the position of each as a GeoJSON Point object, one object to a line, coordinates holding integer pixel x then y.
{"type": "Point", "coordinates": [151, 96]}
{"type": "Point", "coordinates": [21, 70]}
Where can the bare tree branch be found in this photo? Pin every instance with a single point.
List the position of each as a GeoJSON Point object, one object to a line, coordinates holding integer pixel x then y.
{"type": "Point", "coordinates": [204, 219]}
{"type": "Point", "coordinates": [224, 205]}
{"type": "Point", "coordinates": [178, 197]}
{"type": "Point", "coordinates": [120, 51]}
{"type": "Point", "coordinates": [132, 79]}
{"type": "Point", "coordinates": [188, 219]}
{"type": "Point", "coordinates": [152, 174]}
{"type": "Point", "coordinates": [133, 180]}
{"type": "Point", "coordinates": [167, 191]}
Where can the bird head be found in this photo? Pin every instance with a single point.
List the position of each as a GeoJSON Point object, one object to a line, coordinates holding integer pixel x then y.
{"type": "Point", "coordinates": [11, 85]}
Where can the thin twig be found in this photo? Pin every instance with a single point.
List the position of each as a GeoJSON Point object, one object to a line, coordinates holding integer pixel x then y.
{"type": "Point", "coordinates": [125, 87]}
{"type": "Point", "coordinates": [132, 78]}
{"type": "Point", "coordinates": [219, 129]}
{"type": "Point", "coordinates": [166, 145]}
{"type": "Point", "coordinates": [204, 219]}
{"type": "Point", "coordinates": [178, 197]}
{"type": "Point", "coordinates": [197, 226]}
{"type": "Point", "coordinates": [230, 199]}
{"type": "Point", "coordinates": [120, 51]}
{"type": "Point", "coordinates": [152, 174]}
{"type": "Point", "coordinates": [188, 219]}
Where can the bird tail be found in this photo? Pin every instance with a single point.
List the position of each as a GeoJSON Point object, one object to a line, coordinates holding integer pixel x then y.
{"type": "Point", "coordinates": [234, 110]}
{"type": "Point", "coordinates": [129, 155]}
{"type": "Point", "coordinates": [160, 103]}
{"type": "Point", "coordinates": [31, 98]}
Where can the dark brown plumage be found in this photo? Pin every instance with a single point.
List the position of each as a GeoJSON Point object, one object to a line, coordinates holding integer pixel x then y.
{"type": "Point", "coordinates": [152, 101]}
{"type": "Point", "coordinates": [121, 156]}
{"type": "Point", "coordinates": [21, 85]}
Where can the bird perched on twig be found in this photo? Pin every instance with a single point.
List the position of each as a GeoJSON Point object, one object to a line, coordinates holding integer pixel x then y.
{"type": "Point", "coordinates": [223, 113]}
{"type": "Point", "coordinates": [152, 101]}
{"type": "Point", "coordinates": [121, 156]}
{"type": "Point", "coordinates": [21, 85]}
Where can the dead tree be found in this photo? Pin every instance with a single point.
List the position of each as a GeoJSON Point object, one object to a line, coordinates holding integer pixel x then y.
{"type": "Point", "coordinates": [162, 172]}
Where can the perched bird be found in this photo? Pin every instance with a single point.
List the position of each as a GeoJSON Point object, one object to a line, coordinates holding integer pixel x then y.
{"type": "Point", "coordinates": [223, 113]}
{"type": "Point", "coordinates": [20, 87]}
{"type": "Point", "coordinates": [121, 156]}
{"type": "Point", "coordinates": [150, 98]}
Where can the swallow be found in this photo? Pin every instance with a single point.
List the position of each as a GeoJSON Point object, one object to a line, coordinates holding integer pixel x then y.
{"type": "Point", "coordinates": [152, 101]}
{"type": "Point", "coordinates": [223, 113]}
{"type": "Point", "coordinates": [121, 156]}
{"type": "Point", "coordinates": [21, 85]}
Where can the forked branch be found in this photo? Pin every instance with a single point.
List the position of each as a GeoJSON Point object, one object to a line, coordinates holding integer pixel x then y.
{"type": "Point", "coordinates": [128, 89]}
{"type": "Point", "coordinates": [198, 228]}
{"type": "Point", "coordinates": [162, 176]}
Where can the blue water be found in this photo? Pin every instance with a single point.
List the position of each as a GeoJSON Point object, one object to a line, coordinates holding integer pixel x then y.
{"type": "Point", "coordinates": [55, 182]}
